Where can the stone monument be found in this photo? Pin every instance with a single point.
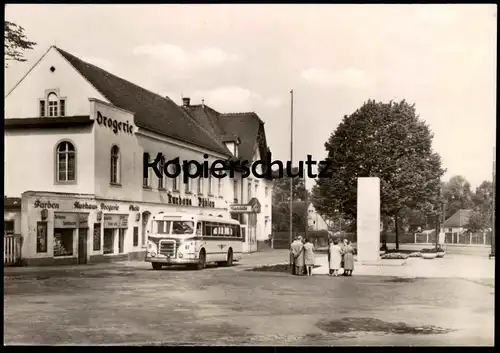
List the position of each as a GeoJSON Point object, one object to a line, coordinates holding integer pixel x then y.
{"type": "Point", "coordinates": [368, 220]}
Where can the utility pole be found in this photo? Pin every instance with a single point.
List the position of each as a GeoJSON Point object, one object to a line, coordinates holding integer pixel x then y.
{"type": "Point", "coordinates": [291, 179]}
{"type": "Point", "coordinates": [307, 204]}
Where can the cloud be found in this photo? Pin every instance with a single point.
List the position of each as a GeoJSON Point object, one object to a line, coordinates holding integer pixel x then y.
{"type": "Point", "coordinates": [349, 78]}
{"type": "Point", "coordinates": [230, 99]}
{"type": "Point", "coordinates": [177, 59]}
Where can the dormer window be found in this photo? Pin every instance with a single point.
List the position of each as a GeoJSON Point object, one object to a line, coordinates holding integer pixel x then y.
{"type": "Point", "coordinates": [52, 106]}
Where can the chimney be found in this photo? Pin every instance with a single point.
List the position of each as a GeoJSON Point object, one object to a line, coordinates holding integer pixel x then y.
{"type": "Point", "coordinates": [185, 102]}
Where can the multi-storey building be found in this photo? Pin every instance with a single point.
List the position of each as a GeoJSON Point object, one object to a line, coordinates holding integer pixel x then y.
{"type": "Point", "coordinates": [75, 136]}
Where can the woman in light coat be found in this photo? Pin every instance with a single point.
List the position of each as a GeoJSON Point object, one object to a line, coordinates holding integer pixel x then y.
{"type": "Point", "coordinates": [309, 256]}
{"type": "Point", "coordinates": [348, 258]}
{"type": "Point", "coordinates": [335, 257]}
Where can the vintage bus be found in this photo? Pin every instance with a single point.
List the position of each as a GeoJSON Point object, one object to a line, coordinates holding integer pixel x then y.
{"type": "Point", "coordinates": [193, 240]}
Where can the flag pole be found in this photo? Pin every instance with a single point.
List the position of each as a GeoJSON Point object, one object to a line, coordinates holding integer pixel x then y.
{"type": "Point", "coordinates": [291, 179]}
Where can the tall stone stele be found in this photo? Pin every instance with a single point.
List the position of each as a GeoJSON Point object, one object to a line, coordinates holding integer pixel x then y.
{"type": "Point", "coordinates": [368, 220]}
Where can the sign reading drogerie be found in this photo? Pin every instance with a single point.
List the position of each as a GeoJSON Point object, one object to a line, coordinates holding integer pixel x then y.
{"type": "Point", "coordinates": [114, 125]}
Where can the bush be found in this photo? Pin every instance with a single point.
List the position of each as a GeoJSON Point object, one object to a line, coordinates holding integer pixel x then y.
{"type": "Point", "coordinates": [394, 256]}
{"type": "Point", "coordinates": [433, 250]}
{"type": "Point", "coordinates": [415, 254]}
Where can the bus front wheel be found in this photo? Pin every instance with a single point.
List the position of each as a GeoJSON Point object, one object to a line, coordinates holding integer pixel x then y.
{"type": "Point", "coordinates": [202, 261]}
{"type": "Point", "coordinates": [156, 265]}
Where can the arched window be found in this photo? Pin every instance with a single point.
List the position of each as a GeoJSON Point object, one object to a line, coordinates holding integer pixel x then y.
{"type": "Point", "coordinates": [66, 162]}
{"type": "Point", "coordinates": [53, 104]}
{"type": "Point", "coordinates": [115, 165]}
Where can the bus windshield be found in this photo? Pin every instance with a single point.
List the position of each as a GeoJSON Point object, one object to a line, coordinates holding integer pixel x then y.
{"type": "Point", "coordinates": [182, 227]}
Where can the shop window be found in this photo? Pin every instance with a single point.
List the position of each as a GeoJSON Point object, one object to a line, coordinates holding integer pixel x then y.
{"type": "Point", "coordinates": [109, 241]}
{"type": "Point", "coordinates": [121, 240]}
{"type": "Point", "coordinates": [161, 165]}
{"type": "Point", "coordinates": [8, 227]}
{"type": "Point", "coordinates": [63, 242]}
{"type": "Point", "coordinates": [97, 236]}
{"type": "Point", "coordinates": [136, 236]}
{"type": "Point", "coordinates": [62, 107]}
{"type": "Point", "coordinates": [66, 162]}
{"type": "Point", "coordinates": [115, 165]}
{"type": "Point", "coordinates": [41, 237]}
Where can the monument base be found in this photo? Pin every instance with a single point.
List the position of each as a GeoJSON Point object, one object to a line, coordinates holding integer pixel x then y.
{"type": "Point", "coordinates": [383, 262]}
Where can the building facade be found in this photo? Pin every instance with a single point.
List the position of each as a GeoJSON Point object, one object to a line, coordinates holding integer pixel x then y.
{"type": "Point", "coordinates": [75, 137]}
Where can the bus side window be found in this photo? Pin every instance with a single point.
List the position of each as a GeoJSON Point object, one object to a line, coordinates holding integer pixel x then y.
{"type": "Point", "coordinates": [208, 228]}
{"type": "Point", "coordinates": [230, 228]}
{"type": "Point", "coordinates": [199, 228]}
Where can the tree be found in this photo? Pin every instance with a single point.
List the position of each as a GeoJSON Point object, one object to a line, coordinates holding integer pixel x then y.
{"type": "Point", "coordinates": [457, 195]}
{"type": "Point", "coordinates": [15, 42]}
{"type": "Point", "coordinates": [482, 212]}
{"type": "Point", "coordinates": [388, 141]}
{"type": "Point", "coordinates": [281, 203]}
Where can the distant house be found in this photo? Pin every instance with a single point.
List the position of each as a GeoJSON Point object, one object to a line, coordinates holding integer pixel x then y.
{"type": "Point", "coordinates": [454, 226]}
{"type": "Point", "coordinates": [315, 221]}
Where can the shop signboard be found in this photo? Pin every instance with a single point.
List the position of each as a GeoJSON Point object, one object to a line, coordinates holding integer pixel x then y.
{"type": "Point", "coordinates": [111, 221]}
{"type": "Point", "coordinates": [65, 220]}
{"type": "Point", "coordinates": [123, 223]}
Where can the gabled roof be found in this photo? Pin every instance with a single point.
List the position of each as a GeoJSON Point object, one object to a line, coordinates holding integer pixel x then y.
{"type": "Point", "coordinates": [458, 220]}
{"type": "Point", "coordinates": [151, 111]}
{"type": "Point", "coordinates": [247, 127]}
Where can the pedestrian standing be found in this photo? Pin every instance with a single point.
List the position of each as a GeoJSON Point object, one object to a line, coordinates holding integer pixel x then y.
{"type": "Point", "coordinates": [309, 256]}
{"type": "Point", "coordinates": [335, 258]}
{"type": "Point", "coordinates": [297, 250]}
{"type": "Point", "coordinates": [348, 258]}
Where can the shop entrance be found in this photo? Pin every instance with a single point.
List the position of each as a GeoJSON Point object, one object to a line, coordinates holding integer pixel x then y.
{"type": "Point", "coordinates": [82, 246]}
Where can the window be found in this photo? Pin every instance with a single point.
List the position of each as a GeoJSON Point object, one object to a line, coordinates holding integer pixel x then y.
{"type": "Point", "coordinates": [249, 187]}
{"type": "Point", "coordinates": [115, 165]}
{"type": "Point", "coordinates": [62, 107]}
{"type": "Point", "coordinates": [235, 190]}
{"type": "Point", "coordinates": [163, 227]}
{"type": "Point", "coordinates": [161, 165]}
{"type": "Point", "coordinates": [121, 240]}
{"type": "Point", "coordinates": [63, 242]}
{"type": "Point", "coordinates": [136, 236]}
{"type": "Point", "coordinates": [267, 191]}
{"type": "Point", "coordinates": [256, 189]}
{"type": "Point", "coordinates": [210, 184]}
{"type": "Point", "coordinates": [200, 184]}
{"type": "Point", "coordinates": [175, 181]}
{"type": "Point", "coordinates": [42, 108]}
{"type": "Point", "coordinates": [53, 104]}
{"type": "Point", "coordinates": [220, 184]}
{"type": "Point", "coordinates": [183, 227]}
{"type": "Point", "coordinates": [145, 181]}
{"type": "Point", "coordinates": [66, 165]}
{"type": "Point", "coordinates": [190, 181]}
{"type": "Point", "coordinates": [8, 227]}
{"type": "Point", "coordinates": [109, 241]}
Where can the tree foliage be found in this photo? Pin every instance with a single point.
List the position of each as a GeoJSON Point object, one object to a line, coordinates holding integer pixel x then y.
{"type": "Point", "coordinates": [281, 203]}
{"type": "Point", "coordinates": [481, 217]}
{"type": "Point", "coordinates": [15, 42]}
{"type": "Point", "coordinates": [457, 195]}
{"type": "Point", "coordinates": [388, 141]}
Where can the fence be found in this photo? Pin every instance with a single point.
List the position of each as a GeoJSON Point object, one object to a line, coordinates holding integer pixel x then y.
{"type": "Point", "coordinates": [320, 238]}
{"type": "Point", "coordinates": [12, 249]}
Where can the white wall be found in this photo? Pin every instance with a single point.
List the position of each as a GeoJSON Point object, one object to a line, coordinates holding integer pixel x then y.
{"type": "Point", "coordinates": [23, 101]}
{"type": "Point", "coordinates": [30, 160]}
{"type": "Point", "coordinates": [315, 221]}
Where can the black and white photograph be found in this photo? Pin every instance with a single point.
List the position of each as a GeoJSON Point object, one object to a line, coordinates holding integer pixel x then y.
{"type": "Point", "coordinates": [249, 174]}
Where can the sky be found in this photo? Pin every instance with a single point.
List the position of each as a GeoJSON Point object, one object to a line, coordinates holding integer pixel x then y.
{"type": "Point", "coordinates": [334, 57]}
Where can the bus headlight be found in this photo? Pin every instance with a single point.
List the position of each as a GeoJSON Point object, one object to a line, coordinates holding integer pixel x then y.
{"type": "Point", "coordinates": [153, 254]}
{"type": "Point", "coordinates": [180, 255]}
